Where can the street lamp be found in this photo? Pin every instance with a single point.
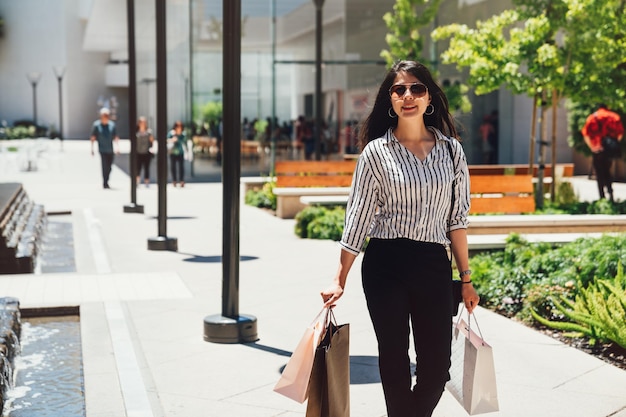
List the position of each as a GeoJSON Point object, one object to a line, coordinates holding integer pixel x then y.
{"type": "Point", "coordinates": [34, 78]}
{"type": "Point", "coordinates": [59, 71]}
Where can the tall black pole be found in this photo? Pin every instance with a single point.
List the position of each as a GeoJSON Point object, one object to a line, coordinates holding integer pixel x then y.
{"type": "Point", "coordinates": [59, 71]}
{"type": "Point", "coordinates": [319, 4]}
{"type": "Point", "coordinates": [34, 84]}
{"type": "Point", "coordinates": [191, 120]}
{"type": "Point", "coordinates": [162, 241]}
{"type": "Point", "coordinates": [133, 207]}
{"type": "Point", "coordinates": [230, 326]}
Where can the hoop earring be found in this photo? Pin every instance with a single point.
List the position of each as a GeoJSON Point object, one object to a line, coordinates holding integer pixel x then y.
{"type": "Point", "coordinates": [392, 115]}
{"type": "Point", "coordinates": [432, 110]}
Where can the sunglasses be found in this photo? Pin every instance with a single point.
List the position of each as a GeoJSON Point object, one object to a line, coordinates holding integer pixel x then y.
{"type": "Point", "coordinates": [417, 89]}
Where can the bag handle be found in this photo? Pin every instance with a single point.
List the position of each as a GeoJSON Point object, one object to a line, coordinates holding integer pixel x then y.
{"type": "Point", "coordinates": [469, 323]}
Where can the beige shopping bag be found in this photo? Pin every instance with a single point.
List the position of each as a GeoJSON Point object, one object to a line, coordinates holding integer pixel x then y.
{"type": "Point", "coordinates": [472, 374]}
{"type": "Point", "coordinates": [329, 387]}
{"type": "Point", "coordinates": [294, 381]}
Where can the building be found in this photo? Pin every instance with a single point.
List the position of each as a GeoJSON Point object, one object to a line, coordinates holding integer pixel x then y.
{"type": "Point", "coordinates": [88, 38]}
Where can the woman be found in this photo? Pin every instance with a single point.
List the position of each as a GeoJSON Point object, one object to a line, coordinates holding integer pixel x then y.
{"type": "Point", "coordinates": [145, 139]}
{"type": "Point", "coordinates": [178, 145]}
{"type": "Point", "coordinates": [410, 195]}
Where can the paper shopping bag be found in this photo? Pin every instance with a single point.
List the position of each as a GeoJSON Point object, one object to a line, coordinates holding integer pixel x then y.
{"type": "Point", "coordinates": [472, 374]}
{"type": "Point", "coordinates": [329, 387]}
{"type": "Point", "coordinates": [294, 381]}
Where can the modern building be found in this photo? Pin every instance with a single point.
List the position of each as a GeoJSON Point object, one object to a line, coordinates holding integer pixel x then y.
{"type": "Point", "coordinates": [88, 39]}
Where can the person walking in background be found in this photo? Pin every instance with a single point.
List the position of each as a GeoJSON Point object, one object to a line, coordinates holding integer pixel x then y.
{"type": "Point", "coordinates": [410, 195]}
{"type": "Point", "coordinates": [598, 125]}
{"type": "Point", "coordinates": [487, 131]}
{"type": "Point", "coordinates": [178, 147]}
{"type": "Point", "coordinates": [145, 139]}
{"type": "Point", "coordinates": [103, 132]}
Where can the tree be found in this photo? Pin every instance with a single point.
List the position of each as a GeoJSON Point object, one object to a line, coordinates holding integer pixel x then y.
{"type": "Point", "coordinates": [547, 49]}
{"type": "Point", "coordinates": [405, 42]}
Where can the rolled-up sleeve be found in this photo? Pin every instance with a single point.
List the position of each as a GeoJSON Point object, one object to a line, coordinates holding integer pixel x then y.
{"type": "Point", "coordinates": [361, 207]}
{"type": "Point", "coordinates": [461, 204]}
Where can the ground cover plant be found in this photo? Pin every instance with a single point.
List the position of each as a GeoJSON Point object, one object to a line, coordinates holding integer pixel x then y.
{"type": "Point", "coordinates": [575, 292]}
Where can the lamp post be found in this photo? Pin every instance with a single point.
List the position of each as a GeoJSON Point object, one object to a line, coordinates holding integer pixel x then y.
{"type": "Point", "coordinates": [33, 78]}
{"type": "Point", "coordinates": [230, 326]}
{"type": "Point", "coordinates": [319, 4]}
{"type": "Point", "coordinates": [59, 72]}
{"type": "Point", "coordinates": [162, 241]}
{"type": "Point", "coordinates": [133, 207]}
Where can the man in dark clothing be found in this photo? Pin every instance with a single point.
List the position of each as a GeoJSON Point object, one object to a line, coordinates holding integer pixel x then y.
{"type": "Point", "coordinates": [599, 124]}
{"type": "Point", "coordinates": [104, 133]}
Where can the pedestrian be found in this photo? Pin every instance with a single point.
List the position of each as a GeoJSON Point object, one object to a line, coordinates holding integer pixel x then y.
{"type": "Point", "coordinates": [487, 131]}
{"type": "Point", "coordinates": [145, 139]}
{"type": "Point", "coordinates": [103, 131]}
{"type": "Point", "coordinates": [177, 149]}
{"type": "Point", "coordinates": [410, 195]}
{"type": "Point", "coordinates": [599, 124]}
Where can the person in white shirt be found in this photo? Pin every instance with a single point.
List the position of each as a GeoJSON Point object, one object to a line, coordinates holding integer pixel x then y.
{"type": "Point", "coordinates": [410, 196]}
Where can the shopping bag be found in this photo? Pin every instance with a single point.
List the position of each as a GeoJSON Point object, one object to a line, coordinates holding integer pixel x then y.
{"type": "Point", "coordinates": [472, 374]}
{"type": "Point", "coordinates": [329, 387]}
{"type": "Point", "coordinates": [294, 381]}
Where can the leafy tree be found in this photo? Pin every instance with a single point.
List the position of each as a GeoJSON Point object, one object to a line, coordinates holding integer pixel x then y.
{"type": "Point", "coordinates": [405, 42]}
{"type": "Point", "coordinates": [547, 49]}
{"type": "Point", "coordinates": [404, 39]}
{"type": "Point", "coordinates": [212, 111]}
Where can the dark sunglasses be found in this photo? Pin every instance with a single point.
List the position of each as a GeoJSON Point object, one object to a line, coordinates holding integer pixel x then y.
{"type": "Point", "coordinates": [417, 89]}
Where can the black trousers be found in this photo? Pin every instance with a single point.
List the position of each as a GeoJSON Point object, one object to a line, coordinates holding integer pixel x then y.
{"type": "Point", "coordinates": [409, 283]}
{"type": "Point", "coordinates": [107, 163]}
{"type": "Point", "coordinates": [602, 167]}
{"type": "Point", "coordinates": [177, 166]}
{"type": "Point", "coordinates": [143, 162]}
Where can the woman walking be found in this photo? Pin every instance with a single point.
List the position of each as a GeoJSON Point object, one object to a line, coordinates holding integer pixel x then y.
{"type": "Point", "coordinates": [145, 139]}
{"type": "Point", "coordinates": [178, 143]}
{"type": "Point", "coordinates": [410, 195]}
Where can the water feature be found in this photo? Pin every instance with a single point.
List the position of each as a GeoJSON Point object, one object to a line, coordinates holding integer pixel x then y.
{"type": "Point", "coordinates": [48, 378]}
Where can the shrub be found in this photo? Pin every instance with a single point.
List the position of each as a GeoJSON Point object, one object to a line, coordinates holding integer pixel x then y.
{"type": "Point", "coordinates": [597, 312]}
{"type": "Point", "coordinates": [263, 198]}
{"type": "Point", "coordinates": [306, 216]}
{"type": "Point", "coordinates": [506, 279]}
{"type": "Point", "coordinates": [327, 226]}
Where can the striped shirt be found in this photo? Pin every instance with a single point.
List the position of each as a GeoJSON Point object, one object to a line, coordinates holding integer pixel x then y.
{"type": "Point", "coordinates": [396, 195]}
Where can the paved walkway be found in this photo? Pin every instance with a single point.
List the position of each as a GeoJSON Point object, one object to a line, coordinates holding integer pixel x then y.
{"type": "Point", "coordinates": [142, 311]}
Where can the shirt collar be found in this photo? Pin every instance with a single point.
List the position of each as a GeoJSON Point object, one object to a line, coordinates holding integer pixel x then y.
{"type": "Point", "coordinates": [390, 137]}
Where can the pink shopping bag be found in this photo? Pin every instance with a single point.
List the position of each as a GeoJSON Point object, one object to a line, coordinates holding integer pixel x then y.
{"type": "Point", "coordinates": [294, 381]}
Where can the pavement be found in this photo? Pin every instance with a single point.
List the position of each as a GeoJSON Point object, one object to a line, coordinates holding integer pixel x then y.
{"type": "Point", "coordinates": [142, 311]}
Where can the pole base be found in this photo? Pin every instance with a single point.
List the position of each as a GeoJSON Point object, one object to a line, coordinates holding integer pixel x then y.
{"type": "Point", "coordinates": [133, 208]}
{"type": "Point", "coordinates": [163, 243]}
{"type": "Point", "coordinates": [220, 329]}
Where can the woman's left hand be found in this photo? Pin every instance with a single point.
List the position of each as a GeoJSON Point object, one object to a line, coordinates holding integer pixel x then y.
{"type": "Point", "coordinates": [470, 297]}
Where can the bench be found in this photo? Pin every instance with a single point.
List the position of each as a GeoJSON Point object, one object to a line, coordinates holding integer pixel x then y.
{"type": "Point", "coordinates": [562, 170]}
{"type": "Point", "coordinates": [296, 179]}
{"type": "Point", "coordinates": [501, 194]}
{"type": "Point", "coordinates": [205, 145]}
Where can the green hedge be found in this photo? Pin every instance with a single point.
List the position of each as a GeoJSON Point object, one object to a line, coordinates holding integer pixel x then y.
{"type": "Point", "coordinates": [317, 222]}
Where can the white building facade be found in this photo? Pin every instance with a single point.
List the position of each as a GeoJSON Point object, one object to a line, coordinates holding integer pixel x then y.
{"type": "Point", "coordinates": [89, 39]}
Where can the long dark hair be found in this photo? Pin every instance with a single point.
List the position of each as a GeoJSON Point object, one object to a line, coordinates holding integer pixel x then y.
{"type": "Point", "coordinates": [378, 121]}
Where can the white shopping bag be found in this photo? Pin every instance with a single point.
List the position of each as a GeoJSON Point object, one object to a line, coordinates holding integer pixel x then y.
{"type": "Point", "coordinates": [472, 374]}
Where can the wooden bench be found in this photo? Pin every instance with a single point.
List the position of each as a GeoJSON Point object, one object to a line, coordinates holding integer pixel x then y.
{"type": "Point", "coordinates": [562, 170]}
{"type": "Point", "coordinates": [296, 179]}
{"type": "Point", "coordinates": [502, 194]}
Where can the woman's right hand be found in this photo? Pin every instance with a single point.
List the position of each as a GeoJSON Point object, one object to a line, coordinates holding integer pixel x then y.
{"type": "Point", "coordinates": [331, 294]}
